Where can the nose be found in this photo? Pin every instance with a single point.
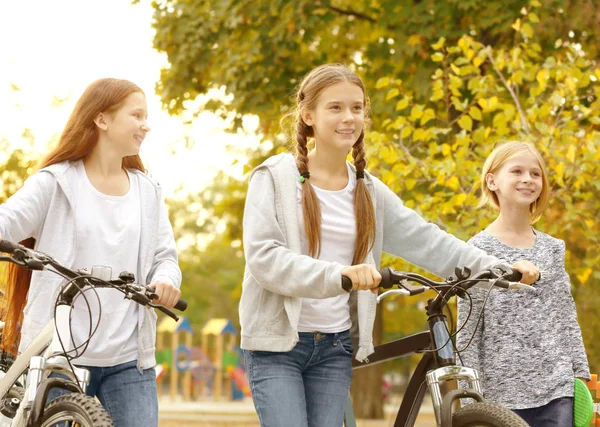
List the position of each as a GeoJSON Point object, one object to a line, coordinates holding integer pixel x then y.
{"type": "Point", "coordinates": [145, 127]}
{"type": "Point", "coordinates": [348, 116]}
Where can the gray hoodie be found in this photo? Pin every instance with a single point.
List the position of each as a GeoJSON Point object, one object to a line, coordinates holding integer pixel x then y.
{"type": "Point", "coordinates": [43, 209]}
{"type": "Point", "coordinates": [278, 276]}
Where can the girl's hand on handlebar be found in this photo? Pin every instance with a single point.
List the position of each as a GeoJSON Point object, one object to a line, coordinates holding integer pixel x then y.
{"type": "Point", "coordinates": [363, 276]}
{"type": "Point", "coordinates": [168, 295]}
{"type": "Point", "coordinates": [529, 271]}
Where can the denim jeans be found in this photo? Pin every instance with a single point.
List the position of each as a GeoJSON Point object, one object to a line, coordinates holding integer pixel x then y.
{"type": "Point", "coordinates": [128, 395]}
{"type": "Point", "coordinates": [307, 386]}
{"type": "Point", "coordinates": [557, 413]}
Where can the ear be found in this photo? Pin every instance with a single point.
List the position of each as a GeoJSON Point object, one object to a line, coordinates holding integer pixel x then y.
{"type": "Point", "coordinates": [306, 116]}
{"type": "Point", "coordinates": [490, 182]}
{"type": "Point", "coordinates": [100, 121]}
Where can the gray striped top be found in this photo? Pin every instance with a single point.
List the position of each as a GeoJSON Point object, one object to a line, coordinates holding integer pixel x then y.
{"type": "Point", "coordinates": [528, 347]}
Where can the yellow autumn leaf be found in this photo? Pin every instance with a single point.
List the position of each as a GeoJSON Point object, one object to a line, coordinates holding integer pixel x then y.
{"type": "Point", "coordinates": [382, 82]}
{"type": "Point", "coordinates": [410, 184]}
{"type": "Point", "coordinates": [437, 94]}
{"type": "Point", "coordinates": [571, 153]}
{"type": "Point", "coordinates": [394, 92]}
{"type": "Point", "coordinates": [406, 131]}
{"type": "Point", "coordinates": [559, 172]}
{"type": "Point", "coordinates": [437, 57]}
{"type": "Point", "coordinates": [517, 25]}
{"type": "Point", "coordinates": [428, 115]}
{"type": "Point", "coordinates": [583, 277]}
{"type": "Point", "coordinates": [439, 44]}
{"type": "Point", "coordinates": [453, 183]}
{"type": "Point", "coordinates": [527, 31]}
{"type": "Point", "coordinates": [475, 113]}
{"type": "Point", "coordinates": [419, 134]}
{"type": "Point", "coordinates": [542, 78]}
{"type": "Point", "coordinates": [446, 149]}
{"type": "Point", "coordinates": [465, 122]}
{"type": "Point", "coordinates": [402, 104]}
{"type": "Point", "coordinates": [415, 113]}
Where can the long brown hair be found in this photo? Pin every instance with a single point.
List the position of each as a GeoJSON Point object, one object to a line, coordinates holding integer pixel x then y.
{"type": "Point", "coordinates": [311, 87]}
{"type": "Point", "coordinates": [77, 140]}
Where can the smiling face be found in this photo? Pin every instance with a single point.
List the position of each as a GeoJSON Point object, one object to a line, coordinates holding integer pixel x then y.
{"type": "Point", "coordinates": [338, 116]}
{"type": "Point", "coordinates": [518, 182]}
{"type": "Point", "coordinates": [126, 127]}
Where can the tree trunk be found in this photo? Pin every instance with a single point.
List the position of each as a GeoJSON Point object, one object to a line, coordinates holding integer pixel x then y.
{"type": "Point", "coordinates": [366, 390]}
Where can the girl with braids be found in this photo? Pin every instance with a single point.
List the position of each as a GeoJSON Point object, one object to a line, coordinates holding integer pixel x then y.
{"type": "Point", "coordinates": [308, 220]}
{"type": "Point", "coordinates": [91, 203]}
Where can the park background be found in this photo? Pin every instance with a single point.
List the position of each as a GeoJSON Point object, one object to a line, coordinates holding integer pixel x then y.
{"type": "Point", "coordinates": [446, 79]}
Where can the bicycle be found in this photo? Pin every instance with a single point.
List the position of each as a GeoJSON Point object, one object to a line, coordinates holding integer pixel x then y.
{"type": "Point", "coordinates": [25, 386]}
{"type": "Point", "coordinates": [438, 364]}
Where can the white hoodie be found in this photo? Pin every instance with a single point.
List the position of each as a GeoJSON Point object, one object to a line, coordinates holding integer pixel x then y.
{"type": "Point", "coordinates": [43, 209]}
{"type": "Point", "coordinates": [278, 276]}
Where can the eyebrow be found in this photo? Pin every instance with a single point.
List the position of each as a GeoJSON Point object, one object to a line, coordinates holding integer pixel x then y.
{"type": "Point", "coordinates": [361, 102]}
{"type": "Point", "coordinates": [537, 168]}
{"type": "Point", "coordinates": [143, 110]}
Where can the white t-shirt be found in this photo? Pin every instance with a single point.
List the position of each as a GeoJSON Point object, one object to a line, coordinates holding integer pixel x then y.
{"type": "Point", "coordinates": [338, 235]}
{"type": "Point", "coordinates": [108, 234]}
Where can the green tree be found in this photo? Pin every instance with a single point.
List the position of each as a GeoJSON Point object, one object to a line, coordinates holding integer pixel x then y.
{"type": "Point", "coordinates": [440, 100]}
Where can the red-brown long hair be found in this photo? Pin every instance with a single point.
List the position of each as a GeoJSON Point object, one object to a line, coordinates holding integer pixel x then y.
{"type": "Point", "coordinates": [77, 140]}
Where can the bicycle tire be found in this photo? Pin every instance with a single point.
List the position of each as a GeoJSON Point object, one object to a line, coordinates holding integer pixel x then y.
{"type": "Point", "coordinates": [486, 414]}
{"type": "Point", "coordinates": [75, 407]}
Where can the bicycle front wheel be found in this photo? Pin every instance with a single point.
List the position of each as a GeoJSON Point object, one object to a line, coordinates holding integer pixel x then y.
{"type": "Point", "coordinates": [75, 410]}
{"type": "Point", "coordinates": [485, 414]}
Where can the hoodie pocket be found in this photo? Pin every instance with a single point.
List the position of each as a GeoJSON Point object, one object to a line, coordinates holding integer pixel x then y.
{"type": "Point", "coordinates": [277, 324]}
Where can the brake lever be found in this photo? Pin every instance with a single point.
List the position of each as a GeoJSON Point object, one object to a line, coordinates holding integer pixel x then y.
{"type": "Point", "coordinates": [392, 292]}
{"type": "Point", "coordinates": [165, 310]}
{"type": "Point", "coordinates": [519, 285]}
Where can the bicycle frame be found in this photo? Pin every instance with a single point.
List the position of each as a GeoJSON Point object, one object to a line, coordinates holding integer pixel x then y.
{"type": "Point", "coordinates": [428, 371]}
{"type": "Point", "coordinates": [41, 358]}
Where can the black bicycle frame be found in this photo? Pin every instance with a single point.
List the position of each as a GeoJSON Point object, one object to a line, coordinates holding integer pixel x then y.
{"type": "Point", "coordinates": [438, 350]}
{"type": "Point", "coordinates": [415, 392]}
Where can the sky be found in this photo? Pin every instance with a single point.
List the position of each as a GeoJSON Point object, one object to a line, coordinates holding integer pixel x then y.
{"type": "Point", "coordinates": [51, 51]}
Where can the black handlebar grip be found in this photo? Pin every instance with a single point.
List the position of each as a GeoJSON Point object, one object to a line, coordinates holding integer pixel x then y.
{"type": "Point", "coordinates": [346, 283]}
{"type": "Point", "coordinates": [8, 247]}
{"type": "Point", "coordinates": [513, 276]}
{"type": "Point", "coordinates": [181, 305]}
{"type": "Point", "coordinates": [386, 278]}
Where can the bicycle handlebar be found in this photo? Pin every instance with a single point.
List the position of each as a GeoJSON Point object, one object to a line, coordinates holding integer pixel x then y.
{"type": "Point", "coordinates": [501, 276]}
{"type": "Point", "coordinates": [35, 260]}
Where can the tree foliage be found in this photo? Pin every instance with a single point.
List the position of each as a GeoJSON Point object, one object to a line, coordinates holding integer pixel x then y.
{"type": "Point", "coordinates": [447, 81]}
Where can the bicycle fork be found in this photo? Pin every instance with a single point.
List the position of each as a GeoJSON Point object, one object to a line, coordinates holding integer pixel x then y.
{"type": "Point", "coordinates": [38, 383]}
{"type": "Point", "coordinates": [447, 371]}
{"type": "Point", "coordinates": [442, 406]}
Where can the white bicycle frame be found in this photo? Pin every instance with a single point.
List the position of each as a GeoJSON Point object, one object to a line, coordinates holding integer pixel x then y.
{"type": "Point", "coordinates": [44, 356]}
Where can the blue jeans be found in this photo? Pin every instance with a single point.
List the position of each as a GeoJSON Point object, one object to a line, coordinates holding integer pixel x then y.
{"type": "Point", "coordinates": [307, 386]}
{"type": "Point", "coordinates": [128, 395]}
{"type": "Point", "coordinates": [557, 413]}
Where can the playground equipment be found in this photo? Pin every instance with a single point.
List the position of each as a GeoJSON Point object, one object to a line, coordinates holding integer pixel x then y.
{"type": "Point", "coordinates": [218, 342]}
{"type": "Point", "coordinates": [171, 358]}
{"type": "Point", "coordinates": [595, 391]}
{"type": "Point", "coordinates": [213, 368]}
